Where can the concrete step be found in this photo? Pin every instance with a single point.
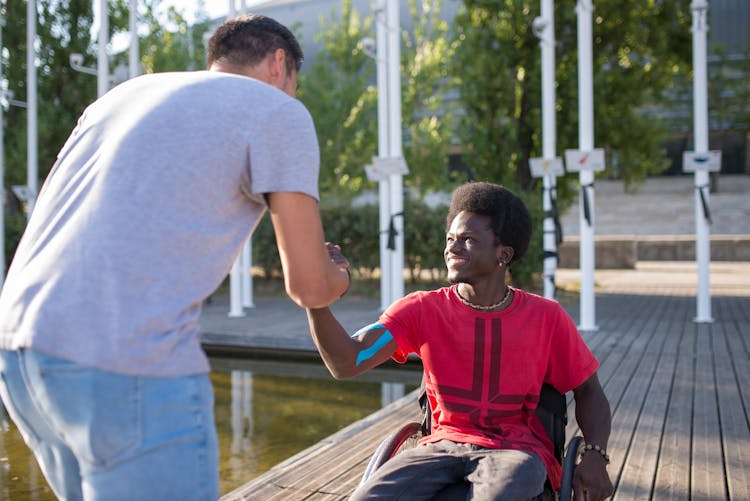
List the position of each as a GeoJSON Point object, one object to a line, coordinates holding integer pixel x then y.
{"type": "Point", "coordinates": [624, 251]}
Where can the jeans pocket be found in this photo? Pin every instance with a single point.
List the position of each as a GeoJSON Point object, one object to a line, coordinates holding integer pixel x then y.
{"type": "Point", "coordinates": [97, 413]}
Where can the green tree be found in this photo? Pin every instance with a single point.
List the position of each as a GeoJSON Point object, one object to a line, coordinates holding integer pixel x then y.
{"type": "Point", "coordinates": [339, 93]}
{"type": "Point", "coordinates": [171, 42]}
{"type": "Point", "coordinates": [638, 47]}
{"type": "Point", "coordinates": [427, 110]}
{"type": "Point", "coordinates": [63, 28]}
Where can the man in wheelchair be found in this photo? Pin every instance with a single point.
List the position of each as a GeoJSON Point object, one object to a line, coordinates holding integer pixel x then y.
{"type": "Point", "coordinates": [486, 349]}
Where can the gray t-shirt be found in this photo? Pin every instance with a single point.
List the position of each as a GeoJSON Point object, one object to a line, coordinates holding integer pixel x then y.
{"type": "Point", "coordinates": [144, 212]}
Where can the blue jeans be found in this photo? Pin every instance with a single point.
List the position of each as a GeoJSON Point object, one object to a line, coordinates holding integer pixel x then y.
{"type": "Point", "coordinates": [100, 435]}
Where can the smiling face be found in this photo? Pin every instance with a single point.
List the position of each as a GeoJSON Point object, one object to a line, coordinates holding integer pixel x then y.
{"type": "Point", "coordinates": [471, 252]}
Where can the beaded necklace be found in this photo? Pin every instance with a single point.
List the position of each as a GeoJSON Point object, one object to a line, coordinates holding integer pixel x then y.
{"type": "Point", "coordinates": [482, 307]}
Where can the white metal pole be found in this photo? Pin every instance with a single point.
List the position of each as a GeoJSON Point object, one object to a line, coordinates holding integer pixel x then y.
{"type": "Point", "coordinates": [390, 392]}
{"type": "Point", "coordinates": [134, 66]}
{"type": "Point", "coordinates": [32, 167]}
{"type": "Point", "coordinates": [384, 201]}
{"type": "Point", "coordinates": [396, 180]}
{"type": "Point", "coordinates": [549, 144]}
{"type": "Point", "coordinates": [102, 67]}
{"type": "Point", "coordinates": [247, 274]}
{"type": "Point", "coordinates": [235, 290]}
{"type": "Point", "coordinates": [584, 10]}
{"type": "Point", "coordinates": [3, 98]}
{"type": "Point", "coordinates": [701, 177]}
{"type": "Point", "coordinates": [232, 9]}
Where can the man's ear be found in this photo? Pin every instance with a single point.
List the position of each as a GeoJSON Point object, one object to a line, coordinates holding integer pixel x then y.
{"type": "Point", "coordinates": [278, 65]}
{"type": "Point", "coordinates": [505, 254]}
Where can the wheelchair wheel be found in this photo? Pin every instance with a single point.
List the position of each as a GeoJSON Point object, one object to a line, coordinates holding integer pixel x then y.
{"type": "Point", "coordinates": [405, 438]}
{"type": "Point", "coordinates": [569, 463]}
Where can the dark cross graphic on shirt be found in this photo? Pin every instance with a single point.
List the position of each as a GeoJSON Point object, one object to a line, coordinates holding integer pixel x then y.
{"type": "Point", "coordinates": [483, 402]}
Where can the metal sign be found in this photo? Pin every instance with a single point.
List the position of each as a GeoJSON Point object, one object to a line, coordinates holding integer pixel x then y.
{"type": "Point", "coordinates": [577, 160]}
{"type": "Point", "coordinates": [541, 167]}
{"type": "Point", "coordinates": [23, 193]}
{"type": "Point", "coordinates": [709, 161]}
{"type": "Point", "coordinates": [383, 167]}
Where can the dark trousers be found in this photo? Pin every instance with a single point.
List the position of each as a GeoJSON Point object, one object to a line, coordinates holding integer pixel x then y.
{"type": "Point", "coordinates": [423, 472]}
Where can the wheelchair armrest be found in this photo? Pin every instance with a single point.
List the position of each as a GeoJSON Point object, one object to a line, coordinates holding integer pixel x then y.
{"type": "Point", "coordinates": [569, 464]}
{"type": "Point", "coordinates": [390, 446]}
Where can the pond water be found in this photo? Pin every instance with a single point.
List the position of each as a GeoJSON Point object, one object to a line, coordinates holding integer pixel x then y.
{"type": "Point", "coordinates": [266, 411]}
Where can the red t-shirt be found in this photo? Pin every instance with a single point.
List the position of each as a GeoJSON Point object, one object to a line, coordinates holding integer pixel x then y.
{"type": "Point", "coordinates": [484, 371]}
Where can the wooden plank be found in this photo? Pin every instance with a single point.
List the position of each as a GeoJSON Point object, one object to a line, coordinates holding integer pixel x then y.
{"type": "Point", "coordinates": [612, 320]}
{"type": "Point", "coordinates": [329, 473]}
{"type": "Point", "coordinates": [706, 472]}
{"type": "Point", "coordinates": [619, 357]}
{"type": "Point", "coordinates": [616, 352]}
{"type": "Point", "coordinates": [639, 467]}
{"type": "Point", "coordinates": [735, 433]}
{"type": "Point", "coordinates": [304, 474]}
{"type": "Point", "coordinates": [635, 380]}
{"type": "Point", "coordinates": [323, 473]}
{"type": "Point", "coordinates": [672, 480]}
{"type": "Point", "coordinates": [738, 308]}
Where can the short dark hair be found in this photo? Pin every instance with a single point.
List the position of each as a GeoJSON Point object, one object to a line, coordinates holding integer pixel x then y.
{"type": "Point", "coordinates": [246, 40]}
{"type": "Point", "coordinates": [510, 219]}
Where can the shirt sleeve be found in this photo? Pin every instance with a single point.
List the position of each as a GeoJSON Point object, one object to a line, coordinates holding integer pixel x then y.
{"type": "Point", "coordinates": [402, 321]}
{"type": "Point", "coordinates": [283, 152]}
{"type": "Point", "coordinates": [571, 362]}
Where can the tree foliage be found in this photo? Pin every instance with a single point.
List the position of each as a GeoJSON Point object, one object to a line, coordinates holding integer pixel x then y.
{"type": "Point", "coordinates": [427, 108]}
{"type": "Point", "coordinates": [339, 90]}
{"type": "Point", "coordinates": [64, 27]}
{"type": "Point", "coordinates": [339, 93]}
{"type": "Point", "coordinates": [171, 42]}
{"type": "Point", "coordinates": [638, 47]}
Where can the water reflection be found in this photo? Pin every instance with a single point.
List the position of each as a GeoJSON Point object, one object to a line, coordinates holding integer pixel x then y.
{"type": "Point", "coordinates": [20, 476]}
{"type": "Point", "coordinates": [266, 411]}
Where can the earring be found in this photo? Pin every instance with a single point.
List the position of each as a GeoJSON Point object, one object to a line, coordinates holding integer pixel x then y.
{"type": "Point", "coordinates": [501, 263]}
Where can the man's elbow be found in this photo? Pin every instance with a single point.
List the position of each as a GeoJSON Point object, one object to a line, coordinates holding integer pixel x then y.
{"type": "Point", "coordinates": [309, 297]}
{"type": "Point", "coordinates": [342, 371]}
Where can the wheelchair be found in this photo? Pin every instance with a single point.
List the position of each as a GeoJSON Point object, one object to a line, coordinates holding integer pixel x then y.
{"type": "Point", "coordinates": [552, 412]}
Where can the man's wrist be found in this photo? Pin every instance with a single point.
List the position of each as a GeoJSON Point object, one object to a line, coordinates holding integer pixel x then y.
{"type": "Point", "coordinates": [595, 450]}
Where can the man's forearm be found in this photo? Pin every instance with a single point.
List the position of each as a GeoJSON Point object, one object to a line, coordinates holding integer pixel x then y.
{"type": "Point", "coordinates": [336, 347]}
{"type": "Point", "coordinates": [593, 415]}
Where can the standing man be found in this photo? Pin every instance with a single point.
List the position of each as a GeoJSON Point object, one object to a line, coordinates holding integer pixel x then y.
{"type": "Point", "coordinates": [486, 348]}
{"type": "Point", "coordinates": [140, 219]}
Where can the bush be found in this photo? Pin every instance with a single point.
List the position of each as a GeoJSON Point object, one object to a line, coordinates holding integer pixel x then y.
{"type": "Point", "coordinates": [355, 229]}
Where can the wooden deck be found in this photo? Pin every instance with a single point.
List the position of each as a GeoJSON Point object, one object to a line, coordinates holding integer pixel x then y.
{"type": "Point", "coordinates": [680, 398]}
